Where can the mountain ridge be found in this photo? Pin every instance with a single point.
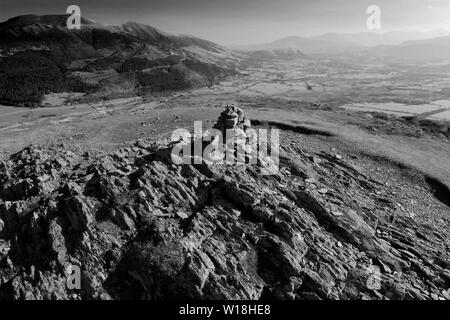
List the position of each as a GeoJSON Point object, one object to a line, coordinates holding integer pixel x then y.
{"type": "Point", "coordinates": [345, 42]}
{"type": "Point", "coordinates": [186, 61]}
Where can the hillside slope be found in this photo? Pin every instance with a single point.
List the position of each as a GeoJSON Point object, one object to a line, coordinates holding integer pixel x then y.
{"type": "Point", "coordinates": [93, 58]}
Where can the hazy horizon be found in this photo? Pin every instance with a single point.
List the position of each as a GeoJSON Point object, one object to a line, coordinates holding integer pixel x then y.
{"type": "Point", "coordinates": [250, 21]}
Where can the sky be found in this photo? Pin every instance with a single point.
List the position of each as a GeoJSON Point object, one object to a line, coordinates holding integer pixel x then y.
{"type": "Point", "coordinates": [248, 21]}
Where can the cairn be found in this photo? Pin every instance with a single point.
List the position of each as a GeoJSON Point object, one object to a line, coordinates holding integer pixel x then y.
{"type": "Point", "coordinates": [232, 118]}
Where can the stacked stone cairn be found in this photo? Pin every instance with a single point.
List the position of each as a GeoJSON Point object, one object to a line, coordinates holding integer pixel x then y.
{"type": "Point", "coordinates": [232, 118]}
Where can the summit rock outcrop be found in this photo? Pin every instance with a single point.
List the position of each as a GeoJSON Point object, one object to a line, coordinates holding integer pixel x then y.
{"type": "Point", "coordinates": [140, 227]}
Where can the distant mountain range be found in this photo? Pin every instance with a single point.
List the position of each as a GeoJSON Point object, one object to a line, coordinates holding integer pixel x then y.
{"type": "Point", "coordinates": [39, 54]}
{"type": "Point", "coordinates": [428, 49]}
{"type": "Point", "coordinates": [397, 44]}
{"type": "Point", "coordinates": [95, 40]}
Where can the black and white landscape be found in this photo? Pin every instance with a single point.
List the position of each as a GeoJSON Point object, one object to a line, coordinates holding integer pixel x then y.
{"type": "Point", "coordinates": [93, 205]}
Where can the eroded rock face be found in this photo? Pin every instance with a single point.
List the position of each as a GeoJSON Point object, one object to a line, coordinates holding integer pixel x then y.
{"type": "Point", "coordinates": [141, 227]}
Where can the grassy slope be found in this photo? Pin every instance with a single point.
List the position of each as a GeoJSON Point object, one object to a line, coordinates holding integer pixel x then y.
{"type": "Point", "coordinates": [429, 156]}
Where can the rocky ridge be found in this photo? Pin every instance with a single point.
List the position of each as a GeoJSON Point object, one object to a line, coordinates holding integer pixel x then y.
{"type": "Point", "coordinates": [140, 227]}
